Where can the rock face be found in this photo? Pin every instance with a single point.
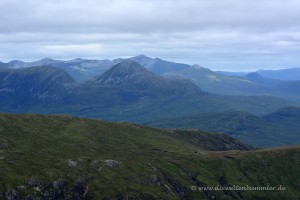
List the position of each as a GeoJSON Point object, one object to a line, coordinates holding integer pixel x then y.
{"type": "Point", "coordinates": [111, 163]}
{"type": "Point", "coordinates": [72, 163]}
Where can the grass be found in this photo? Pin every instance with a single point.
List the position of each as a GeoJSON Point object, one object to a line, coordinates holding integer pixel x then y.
{"type": "Point", "coordinates": [149, 163]}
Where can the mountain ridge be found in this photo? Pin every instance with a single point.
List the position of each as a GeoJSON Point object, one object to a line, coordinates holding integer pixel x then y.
{"type": "Point", "coordinates": [279, 128]}
{"type": "Point", "coordinates": [62, 157]}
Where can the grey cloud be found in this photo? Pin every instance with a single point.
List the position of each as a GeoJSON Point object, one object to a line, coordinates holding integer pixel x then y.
{"type": "Point", "coordinates": [146, 16]}
{"type": "Point", "coordinates": [221, 34]}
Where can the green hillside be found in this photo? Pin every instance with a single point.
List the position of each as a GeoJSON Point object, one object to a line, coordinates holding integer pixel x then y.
{"type": "Point", "coordinates": [62, 157]}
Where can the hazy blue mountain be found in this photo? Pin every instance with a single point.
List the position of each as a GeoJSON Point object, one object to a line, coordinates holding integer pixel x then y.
{"type": "Point", "coordinates": [282, 74]}
{"type": "Point", "coordinates": [79, 69]}
{"type": "Point", "coordinates": [131, 75]}
{"type": "Point", "coordinates": [288, 117]}
{"type": "Point", "coordinates": [126, 92]}
{"type": "Point", "coordinates": [3, 64]}
{"type": "Point", "coordinates": [251, 84]}
{"type": "Point", "coordinates": [28, 86]}
{"type": "Point", "coordinates": [158, 65]}
{"type": "Point", "coordinates": [289, 74]}
{"type": "Point", "coordinates": [218, 83]}
{"type": "Point", "coordinates": [229, 73]}
{"type": "Point", "coordinates": [279, 128]}
{"type": "Point", "coordinates": [84, 69]}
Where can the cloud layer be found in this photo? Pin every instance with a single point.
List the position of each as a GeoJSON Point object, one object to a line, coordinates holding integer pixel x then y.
{"type": "Point", "coordinates": [220, 34]}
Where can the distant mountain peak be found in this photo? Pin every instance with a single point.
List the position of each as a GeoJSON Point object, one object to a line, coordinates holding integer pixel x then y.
{"type": "Point", "coordinates": [46, 59]}
{"type": "Point", "coordinates": [196, 66]}
{"type": "Point", "coordinates": [141, 56]}
{"type": "Point", "coordinates": [122, 73]}
{"type": "Point", "coordinates": [142, 59]}
{"type": "Point", "coordinates": [129, 65]}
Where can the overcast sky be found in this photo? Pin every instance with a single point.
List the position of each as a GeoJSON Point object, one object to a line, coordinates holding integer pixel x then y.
{"type": "Point", "coordinates": [234, 35]}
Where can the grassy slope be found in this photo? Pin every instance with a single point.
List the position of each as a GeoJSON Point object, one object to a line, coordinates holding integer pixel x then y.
{"type": "Point", "coordinates": [152, 164]}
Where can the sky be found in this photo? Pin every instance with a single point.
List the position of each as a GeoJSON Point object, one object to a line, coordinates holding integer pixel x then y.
{"type": "Point", "coordinates": [233, 35]}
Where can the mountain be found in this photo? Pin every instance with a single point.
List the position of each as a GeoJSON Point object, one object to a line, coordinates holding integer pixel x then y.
{"type": "Point", "coordinates": [251, 84]}
{"type": "Point", "coordinates": [218, 83]}
{"type": "Point", "coordinates": [126, 92]}
{"type": "Point", "coordinates": [289, 74]}
{"type": "Point", "coordinates": [158, 65]}
{"type": "Point", "coordinates": [131, 75]}
{"type": "Point", "coordinates": [82, 70]}
{"type": "Point", "coordinates": [282, 74]}
{"type": "Point", "coordinates": [28, 86]}
{"type": "Point", "coordinates": [62, 157]}
{"type": "Point", "coordinates": [289, 117]}
{"type": "Point", "coordinates": [279, 128]}
{"type": "Point", "coordinates": [229, 73]}
{"type": "Point", "coordinates": [3, 64]}
{"type": "Point", "coordinates": [79, 69]}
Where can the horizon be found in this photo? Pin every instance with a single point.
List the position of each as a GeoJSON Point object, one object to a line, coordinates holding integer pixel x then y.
{"type": "Point", "coordinates": [219, 35]}
{"type": "Point", "coordinates": [191, 64]}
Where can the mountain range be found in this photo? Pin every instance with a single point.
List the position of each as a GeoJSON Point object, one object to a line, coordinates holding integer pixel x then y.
{"type": "Point", "coordinates": [83, 69]}
{"type": "Point", "coordinates": [128, 91]}
{"type": "Point", "coordinates": [279, 83]}
{"type": "Point", "coordinates": [252, 83]}
{"type": "Point", "coordinates": [204, 129]}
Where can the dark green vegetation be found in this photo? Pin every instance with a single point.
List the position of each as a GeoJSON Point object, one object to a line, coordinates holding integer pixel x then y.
{"type": "Point", "coordinates": [56, 157]}
{"type": "Point", "coordinates": [280, 128]}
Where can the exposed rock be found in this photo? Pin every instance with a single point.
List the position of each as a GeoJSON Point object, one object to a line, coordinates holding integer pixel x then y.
{"type": "Point", "coordinates": [72, 163]}
{"type": "Point", "coordinates": [2, 157]}
{"type": "Point", "coordinates": [32, 182]}
{"type": "Point", "coordinates": [111, 163]}
{"type": "Point", "coordinates": [59, 184]}
{"type": "Point", "coordinates": [80, 189]}
{"type": "Point", "coordinates": [22, 187]}
{"type": "Point", "coordinates": [11, 195]}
